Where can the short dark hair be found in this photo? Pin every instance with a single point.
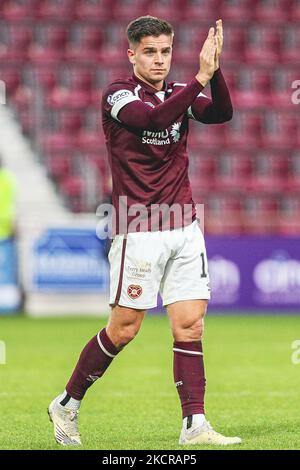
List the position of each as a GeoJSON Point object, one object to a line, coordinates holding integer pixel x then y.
{"type": "Point", "coordinates": [147, 26]}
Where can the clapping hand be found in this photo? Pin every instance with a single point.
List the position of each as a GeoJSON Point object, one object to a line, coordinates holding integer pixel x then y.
{"type": "Point", "coordinates": [219, 42]}
{"type": "Point", "coordinates": [210, 53]}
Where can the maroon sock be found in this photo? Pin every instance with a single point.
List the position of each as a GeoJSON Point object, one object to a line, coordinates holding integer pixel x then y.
{"type": "Point", "coordinates": [189, 376]}
{"type": "Point", "coordinates": [93, 362]}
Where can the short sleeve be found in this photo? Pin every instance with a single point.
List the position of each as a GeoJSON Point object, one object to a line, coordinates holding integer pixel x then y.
{"type": "Point", "coordinates": [116, 96]}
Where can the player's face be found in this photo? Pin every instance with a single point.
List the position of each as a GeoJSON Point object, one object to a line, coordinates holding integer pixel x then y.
{"type": "Point", "coordinates": [151, 58]}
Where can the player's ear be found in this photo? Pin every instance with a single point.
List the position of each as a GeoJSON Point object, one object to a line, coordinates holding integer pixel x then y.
{"type": "Point", "coordinates": [131, 56]}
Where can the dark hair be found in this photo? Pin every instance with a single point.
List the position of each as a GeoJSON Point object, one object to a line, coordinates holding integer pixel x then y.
{"type": "Point", "coordinates": [147, 26]}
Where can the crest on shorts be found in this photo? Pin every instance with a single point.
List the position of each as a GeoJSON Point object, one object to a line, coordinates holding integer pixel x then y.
{"type": "Point", "coordinates": [134, 291]}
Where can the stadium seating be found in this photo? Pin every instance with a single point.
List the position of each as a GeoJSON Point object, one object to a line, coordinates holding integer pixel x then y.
{"type": "Point", "coordinates": [272, 11]}
{"type": "Point", "coordinates": [126, 10]}
{"type": "Point", "coordinates": [89, 47]}
{"type": "Point", "coordinates": [14, 48]}
{"type": "Point", "coordinates": [57, 55]}
{"type": "Point", "coordinates": [260, 215]}
{"type": "Point", "coordinates": [51, 48]}
{"type": "Point", "coordinates": [235, 40]}
{"type": "Point", "coordinates": [58, 166]}
{"type": "Point", "coordinates": [289, 216]}
{"type": "Point", "coordinates": [237, 11]}
{"type": "Point", "coordinates": [200, 10]}
{"type": "Point", "coordinates": [290, 44]}
{"type": "Point", "coordinates": [235, 171]}
{"type": "Point", "coordinates": [13, 10]}
{"type": "Point", "coordinates": [263, 45]}
{"type": "Point", "coordinates": [93, 10]}
{"type": "Point", "coordinates": [53, 9]}
{"type": "Point", "coordinates": [224, 214]}
{"type": "Point", "coordinates": [295, 11]}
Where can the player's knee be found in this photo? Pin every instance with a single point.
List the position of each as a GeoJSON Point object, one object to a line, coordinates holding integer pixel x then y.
{"type": "Point", "coordinates": [195, 331]}
{"type": "Point", "coordinates": [191, 331]}
{"type": "Point", "coordinates": [123, 325]}
{"type": "Point", "coordinates": [127, 333]}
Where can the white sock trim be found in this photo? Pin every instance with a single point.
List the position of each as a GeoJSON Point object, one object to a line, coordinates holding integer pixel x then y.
{"type": "Point", "coordinates": [103, 348]}
{"type": "Point", "coordinates": [194, 353]}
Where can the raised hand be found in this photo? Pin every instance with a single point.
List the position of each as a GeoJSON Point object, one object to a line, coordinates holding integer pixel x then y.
{"type": "Point", "coordinates": [218, 42]}
{"type": "Point", "coordinates": [207, 58]}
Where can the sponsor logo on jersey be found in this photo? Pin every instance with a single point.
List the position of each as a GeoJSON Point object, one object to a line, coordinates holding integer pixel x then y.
{"type": "Point", "coordinates": [134, 291]}
{"type": "Point", "coordinates": [162, 137]}
{"type": "Point", "coordinates": [118, 95]}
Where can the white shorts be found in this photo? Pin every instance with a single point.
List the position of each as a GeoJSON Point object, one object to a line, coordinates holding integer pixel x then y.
{"type": "Point", "coordinates": [172, 262]}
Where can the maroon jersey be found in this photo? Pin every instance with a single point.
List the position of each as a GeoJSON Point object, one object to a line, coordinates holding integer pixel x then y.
{"type": "Point", "coordinates": [147, 150]}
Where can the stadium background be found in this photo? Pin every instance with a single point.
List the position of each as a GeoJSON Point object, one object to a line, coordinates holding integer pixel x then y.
{"type": "Point", "coordinates": [55, 58]}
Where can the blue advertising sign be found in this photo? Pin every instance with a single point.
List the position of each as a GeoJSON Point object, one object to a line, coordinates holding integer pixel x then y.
{"type": "Point", "coordinates": [261, 272]}
{"type": "Point", "coordinates": [10, 297]}
{"type": "Point", "coordinates": [70, 260]}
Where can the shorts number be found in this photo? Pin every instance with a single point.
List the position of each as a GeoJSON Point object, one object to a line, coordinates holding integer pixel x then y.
{"type": "Point", "coordinates": [203, 274]}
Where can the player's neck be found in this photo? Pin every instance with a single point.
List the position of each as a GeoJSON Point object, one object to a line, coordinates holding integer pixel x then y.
{"type": "Point", "coordinates": [157, 85]}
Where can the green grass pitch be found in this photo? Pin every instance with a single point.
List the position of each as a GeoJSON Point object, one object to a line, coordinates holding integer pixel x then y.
{"type": "Point", "coordinates": [252, 385]}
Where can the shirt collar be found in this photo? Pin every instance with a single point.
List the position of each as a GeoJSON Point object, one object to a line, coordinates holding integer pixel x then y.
{"type": "Point", "coordinates": [147, 87]}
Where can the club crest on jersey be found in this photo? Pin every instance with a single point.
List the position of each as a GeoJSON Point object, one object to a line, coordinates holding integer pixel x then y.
{"type": "Point", "coordinates": [134, 291]}
{"type": "Point", "coordinates": [118, 95]}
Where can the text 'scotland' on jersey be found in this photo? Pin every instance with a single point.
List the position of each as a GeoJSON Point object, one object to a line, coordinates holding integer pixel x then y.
{"type": "Point", "coordinates": [149, 167]}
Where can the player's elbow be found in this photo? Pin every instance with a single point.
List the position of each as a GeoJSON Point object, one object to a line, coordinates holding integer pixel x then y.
{"type": "Point", "coordinates": [227, 116]}
{"type": "Point", "coordinates": [230, 113]}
